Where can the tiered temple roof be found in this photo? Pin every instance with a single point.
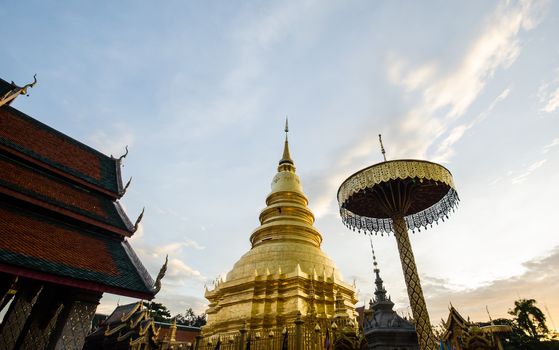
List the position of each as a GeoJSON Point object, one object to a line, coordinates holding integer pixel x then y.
{"type": "Point", "coordinates": [60, 219]}
{"type": "Point", "coordinates": [131, 327]}
{"type": "Point", "coordinates": [126, 326]}
{"type": "Point", "coordinates": [464, 334]}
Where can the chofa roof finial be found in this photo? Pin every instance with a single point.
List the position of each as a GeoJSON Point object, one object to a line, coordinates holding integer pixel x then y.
{"type": "Point", "coordinates": [30, 85]}
{"type": "Point", "coordinates": [160, 275]}
{"type": "Point", "coordinates": [12, 94]}
{"type": "Point", "coordinates": [122, 156]}
{"type": "Point", "coordinates": [138, 220]}
{"type": "Point", "coordinates": [126, 186]}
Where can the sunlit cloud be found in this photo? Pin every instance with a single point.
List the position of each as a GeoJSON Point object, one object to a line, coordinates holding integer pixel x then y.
{"type": "Point", "coordinates": [445, 149]}
{"type": "Point", "coordinates": [400, 74]}
{"type": "Point", "coordinates": [138, 235]}
{"type": "Point", "coordinates": [178, 270]}
{"type": "Point", "coordinates": [551, 145]}
{"type": "Point", "coordinates": [176, 247]}
{"type": "Point", "coordinates": [178, 303]}
{"type": "Point", "coordinates": [428, 130]}
{"type": "Point", "coordinates": [549, 94]}
{"type": "Point", "coordinates": [449, 96]}
{"type": "Point", "coordinates": [498, 295]}
{"type": "Point", "coordinates": [524, 175]}
{"type": "Point", "coordinates": [552, 102]}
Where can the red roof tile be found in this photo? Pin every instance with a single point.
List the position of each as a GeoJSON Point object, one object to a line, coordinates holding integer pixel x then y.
{"type": "Point", "coordinates": [30, 236]}
{"type": "Point", "coordinates": [26, 134]}
{"type": "Point", "coordinates": [43, 187]}
{"type": "Point", "coordinates": [27, 179]}
{"type": "Point", "coordinates": [48, 249]}
{"type": "Point", "coordinates": [36, 140]}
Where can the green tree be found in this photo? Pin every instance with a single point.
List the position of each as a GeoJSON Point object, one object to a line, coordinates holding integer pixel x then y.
{"type": "Point", "coordinates": [157, 311]}
{"type": "Point", "coordinates": [529, 318]}
{"type": "Point", "coordinates": [191, 319]}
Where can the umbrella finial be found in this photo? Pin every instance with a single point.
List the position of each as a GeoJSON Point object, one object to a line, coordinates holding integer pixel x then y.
{"type": "Point", "coordinates": [382, 147]}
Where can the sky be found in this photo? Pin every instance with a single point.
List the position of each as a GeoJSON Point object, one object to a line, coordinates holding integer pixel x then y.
{"type": "Point", "coordinates": [199, 92]}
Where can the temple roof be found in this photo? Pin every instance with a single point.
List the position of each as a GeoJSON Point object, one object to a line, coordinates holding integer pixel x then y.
{"type": "Point", "coordinates": [381, 316]}
{"type": "Point", "coordinates": [49, 249]}
{"type": "Point", "coordinates": [123, 313]}
{"type": "Point", "coordinates": [127, 324]}
{"type": "Point", "coordinates": [50, 192]}
{"type": "Point", "coordinates": [60, 220]}
{"type": "Point", "coordinates": [5, 87]}
{"type": "Point", "coordinates": [37, 143]}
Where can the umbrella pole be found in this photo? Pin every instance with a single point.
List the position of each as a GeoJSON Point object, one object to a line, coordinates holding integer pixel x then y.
{"type": "Point", "coordinates": [415, 293]}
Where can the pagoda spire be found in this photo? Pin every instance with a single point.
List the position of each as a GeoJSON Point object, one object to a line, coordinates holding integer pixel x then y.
{"type": "Point", "coordinates": [286, 163]}
{"type": "Point", "coordinates": [380, 292]}
{"type": "Point", "coordinates": [286, 208]}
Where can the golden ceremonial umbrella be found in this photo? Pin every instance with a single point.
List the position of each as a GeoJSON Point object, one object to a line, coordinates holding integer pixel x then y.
{"type": "Point", "coordinates": [394, 196]}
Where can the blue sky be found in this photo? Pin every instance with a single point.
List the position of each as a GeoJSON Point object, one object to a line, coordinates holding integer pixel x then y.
{"type": "Point", "coordinates": [199, 92]}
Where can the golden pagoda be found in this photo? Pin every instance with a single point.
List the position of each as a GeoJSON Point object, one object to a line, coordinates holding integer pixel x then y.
{"type": "Point", "coordinates": [285, 275]}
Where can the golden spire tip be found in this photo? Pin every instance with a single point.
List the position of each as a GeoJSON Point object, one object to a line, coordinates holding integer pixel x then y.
{"type": "Point", "coordinates": [286, 158]}
{"type": "Point", "coordinates": [286, 128]}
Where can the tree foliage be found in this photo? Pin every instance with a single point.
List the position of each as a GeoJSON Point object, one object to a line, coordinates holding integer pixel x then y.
{"type": "Point", "coordinates": [191, 319]}
{"type": "Point", "coordinates": [157, 311]}
{"type": "Point", "coordinates": [529, 318]}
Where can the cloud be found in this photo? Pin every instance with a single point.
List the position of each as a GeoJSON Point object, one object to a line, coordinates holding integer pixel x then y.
{"type": "Point", "coordinates": [240, 93]}
{"type": "Point", "coordinates": [445, 149]}
{"type": "Point", "coordinates": [553, 102]}
{"type": "Point", "coordinates": [177, 270]}
{"type": "Point", "coordinates": [430, 129]}
{"type": "Point", "coordinates": [179, 303]}
{"type": "Point", "coordinates": [113, 142]}
{"type": "Point", "coordinates": [193, 244]}
{"type": "Point", "coordinates": [409, 80]}
{"type": "Point", "coordinates": [533, 167]}
{"type": "Point", "coordinates": [176, 303]}
{"type": "Point", "coordinates": [537, 282]}
{"type": "Point", "coordinates": [449, 96]}
{"type": "Point", "coordinates": [138, 235]}
{"type": "Point", "coordinates": [178, 273]}
{"type": "Point", "coordinates": [549, 94]}
{"type": "Point", "coordinates": [551, 145]}
{"type": "Point", "coordinates": [176, 247]}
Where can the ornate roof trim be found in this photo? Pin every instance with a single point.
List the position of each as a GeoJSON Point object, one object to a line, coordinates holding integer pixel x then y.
{"type": "Point", "coordinates": [111, 331]}
{"type": "Point", "coordinates": [9, 96]}
{"type": "Point", "coordinates": [67, 212]}
{"type": "Point", "coordinates": [142, 271]}
{"type": "Point", "coordinates": [126, 316]}
{"type": "Point", "coordinates": [124, 217]}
